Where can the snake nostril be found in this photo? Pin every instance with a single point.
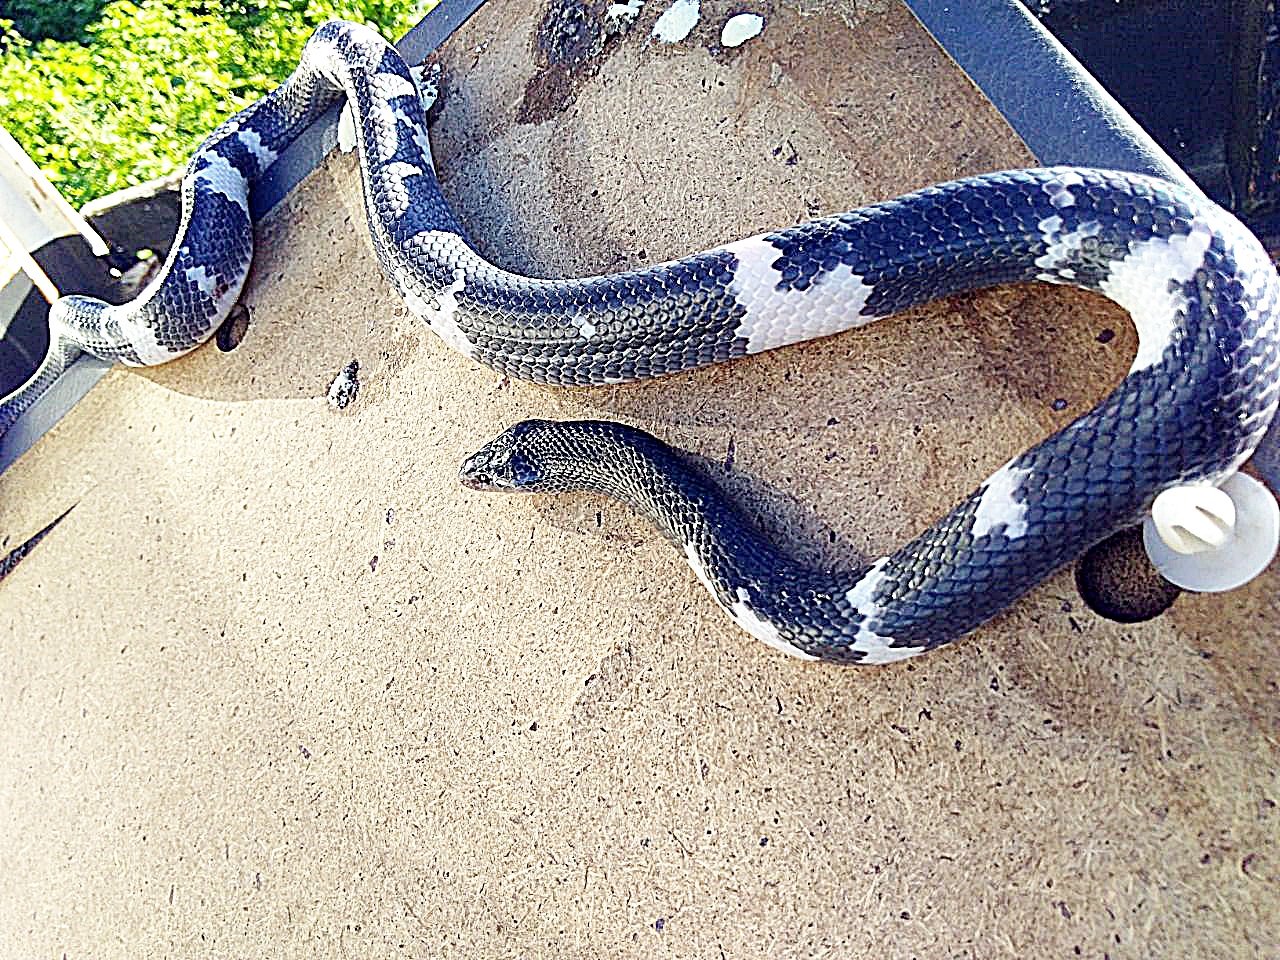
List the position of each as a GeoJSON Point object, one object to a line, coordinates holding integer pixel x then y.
{"type": "Point", "coordinates": [477, 471]}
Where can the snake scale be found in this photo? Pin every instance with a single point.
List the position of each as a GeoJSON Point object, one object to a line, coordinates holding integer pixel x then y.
{"type": "Point", "coordinates": [1196, 401]}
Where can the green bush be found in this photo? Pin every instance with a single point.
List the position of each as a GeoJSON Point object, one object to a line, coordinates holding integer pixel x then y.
{"type": "Point", "coordinates": [42, 20]}
{"type": "Point", "coordinates": [154, 78]}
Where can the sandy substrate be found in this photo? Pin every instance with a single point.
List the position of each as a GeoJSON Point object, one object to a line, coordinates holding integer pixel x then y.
{"type": "Point", "coordinates": [280, 686]}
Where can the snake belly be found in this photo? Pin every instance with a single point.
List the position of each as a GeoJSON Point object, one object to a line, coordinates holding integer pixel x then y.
{"type": "Point", "coordinates": [1196, 401]}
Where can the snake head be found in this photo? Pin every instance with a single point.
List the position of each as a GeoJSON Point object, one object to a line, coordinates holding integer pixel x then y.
{"type": "Point", "coordinates": [506, 462]}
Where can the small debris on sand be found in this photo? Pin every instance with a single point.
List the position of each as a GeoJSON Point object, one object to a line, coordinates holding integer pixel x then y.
{"type": "Point", "coordinates": [345, 386]}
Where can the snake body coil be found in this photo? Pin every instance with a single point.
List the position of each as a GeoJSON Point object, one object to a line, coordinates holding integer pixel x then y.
{"type": "Point", "coordinates": [1198, 398]}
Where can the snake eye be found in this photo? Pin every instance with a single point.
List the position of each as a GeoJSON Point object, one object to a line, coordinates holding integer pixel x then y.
{"type": "Point", "coordinates": [478, 470]}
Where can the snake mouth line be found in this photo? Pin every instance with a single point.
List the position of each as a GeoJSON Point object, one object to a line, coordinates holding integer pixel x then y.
{"type": "Point", "coordinates": [473, 477]}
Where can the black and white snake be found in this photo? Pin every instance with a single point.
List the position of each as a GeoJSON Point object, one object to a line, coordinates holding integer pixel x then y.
{"type": "Point", "coordinates": [1199, 396]}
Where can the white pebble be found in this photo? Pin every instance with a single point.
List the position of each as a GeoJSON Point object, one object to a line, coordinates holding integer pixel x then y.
{"type": "Point", "coordinates": [677, 21]}
{"type": "Point", "coordinates": [620, 16]}
{"type": "Point", "coordinates": [346, 128]}
{"type": "Point", "coordinates": [741, 28]}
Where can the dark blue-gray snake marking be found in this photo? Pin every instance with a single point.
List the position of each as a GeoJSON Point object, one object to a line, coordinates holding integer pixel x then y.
{"type": "Point", "coordinates": [1196, 401]}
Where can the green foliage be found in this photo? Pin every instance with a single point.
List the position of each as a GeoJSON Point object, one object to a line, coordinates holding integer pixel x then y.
{"type": "Point", "coordinates": [154, 79]}
{"type": "Point", "coordinates": [43, 20]}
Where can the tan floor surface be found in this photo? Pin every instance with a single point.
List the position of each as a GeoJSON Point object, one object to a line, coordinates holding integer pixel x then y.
{"type": "Point", "coordinates": [279, 686]}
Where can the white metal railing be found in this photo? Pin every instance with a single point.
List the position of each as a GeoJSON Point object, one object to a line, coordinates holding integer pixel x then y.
{"type": "Point", "coordinates": [32, 213]}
